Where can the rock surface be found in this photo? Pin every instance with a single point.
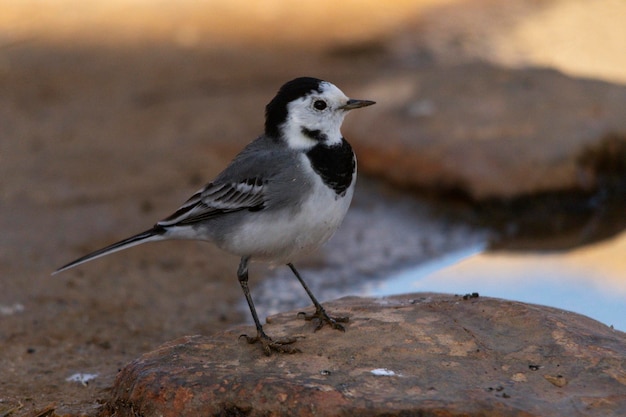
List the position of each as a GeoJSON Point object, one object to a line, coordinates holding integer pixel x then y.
{"type": "Point", "coordinates": [420, 354]}
{"type": "Point", "coordinates": [486, 131]}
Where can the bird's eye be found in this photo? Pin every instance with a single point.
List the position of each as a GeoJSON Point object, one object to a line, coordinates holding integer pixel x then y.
{"type": "Point", "coordinates": [320, 104]}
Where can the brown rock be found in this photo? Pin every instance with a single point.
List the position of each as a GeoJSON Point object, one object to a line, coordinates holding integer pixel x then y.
{"type": "Point", "coordinates": [419, 354]}
{"type": "Point", "coordinates": [488, 132]}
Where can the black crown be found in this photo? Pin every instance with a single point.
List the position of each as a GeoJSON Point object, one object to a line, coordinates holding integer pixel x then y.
{"type": "Point", "coordinates": [276, 110]}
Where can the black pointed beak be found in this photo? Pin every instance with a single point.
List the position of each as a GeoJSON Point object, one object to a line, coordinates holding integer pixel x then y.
{"type": "Point", "coordinates": [356, 104]}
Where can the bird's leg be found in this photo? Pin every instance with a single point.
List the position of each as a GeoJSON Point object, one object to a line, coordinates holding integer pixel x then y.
{"type": "Point", "coordinates": [320, 314]}
{"type": "Point", "coordinates": [269, 345]}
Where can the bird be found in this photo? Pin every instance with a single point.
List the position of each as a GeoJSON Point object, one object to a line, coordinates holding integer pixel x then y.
{"type": "Point", "coordinates": [283, 195]}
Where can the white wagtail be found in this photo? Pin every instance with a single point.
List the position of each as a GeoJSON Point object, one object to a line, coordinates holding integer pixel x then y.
{"type": "Point", "coordinates": [283, 194]}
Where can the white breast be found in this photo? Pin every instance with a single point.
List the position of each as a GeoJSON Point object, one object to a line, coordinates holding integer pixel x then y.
{"type": "Point", "coordinates": [281, 235]}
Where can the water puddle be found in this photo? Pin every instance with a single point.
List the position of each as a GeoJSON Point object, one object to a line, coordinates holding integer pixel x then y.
{"type": "Point", "coordinates": [590, 280]}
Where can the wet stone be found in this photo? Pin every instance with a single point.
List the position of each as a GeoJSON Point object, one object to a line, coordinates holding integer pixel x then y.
{"type": "Point", "coordinates": [416, 354]}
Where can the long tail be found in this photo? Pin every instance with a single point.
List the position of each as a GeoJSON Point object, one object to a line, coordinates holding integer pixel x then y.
{"type": "Point", "coordinates": [154, 234]}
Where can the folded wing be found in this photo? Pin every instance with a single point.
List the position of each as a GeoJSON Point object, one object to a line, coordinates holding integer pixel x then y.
{"type": "Point", "coordinates": [217, 199]}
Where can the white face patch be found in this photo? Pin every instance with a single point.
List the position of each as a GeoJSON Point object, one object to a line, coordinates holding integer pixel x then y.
{"type": "Point", "coordinates": [317, 114]}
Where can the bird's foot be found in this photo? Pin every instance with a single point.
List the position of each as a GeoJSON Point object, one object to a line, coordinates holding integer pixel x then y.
{"type": "Point", "coordinates": [270, 345]}
{"type": "Point", "coordinates": [323, 318]}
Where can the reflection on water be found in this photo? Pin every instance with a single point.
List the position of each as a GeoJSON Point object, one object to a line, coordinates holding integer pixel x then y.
{"type": "Point", "coordinates": [590, 280]}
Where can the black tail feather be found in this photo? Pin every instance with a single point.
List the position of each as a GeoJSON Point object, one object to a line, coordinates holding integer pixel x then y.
{"type": "Point", "coordinates": [151, 235]}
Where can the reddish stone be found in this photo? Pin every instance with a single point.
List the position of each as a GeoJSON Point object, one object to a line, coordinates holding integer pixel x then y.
{"type": "Point", "coordinates": [434, 355]}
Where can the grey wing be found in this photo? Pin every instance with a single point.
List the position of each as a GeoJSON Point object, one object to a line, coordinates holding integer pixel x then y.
{"type": "Point", "coordinates": [246, 184]}
{"type": "Point", "coordinates": [219, 198]}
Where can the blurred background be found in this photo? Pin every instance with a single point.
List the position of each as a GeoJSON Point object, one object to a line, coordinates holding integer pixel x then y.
{"type": "Point", "coordinates": [494, 162]}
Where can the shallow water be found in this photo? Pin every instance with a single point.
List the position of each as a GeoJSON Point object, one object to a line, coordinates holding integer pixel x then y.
{"type": "Point", "coordinates": [392, 244]}
{"type": "Point", "coordinates": [590, 280]}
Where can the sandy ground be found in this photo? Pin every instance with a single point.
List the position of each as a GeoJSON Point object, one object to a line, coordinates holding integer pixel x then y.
{"type": "Point", "coordinates": [111, 115]}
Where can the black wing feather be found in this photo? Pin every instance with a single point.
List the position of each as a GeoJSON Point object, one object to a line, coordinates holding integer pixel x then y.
{"type": "Point", "coordinates": [217, 199]}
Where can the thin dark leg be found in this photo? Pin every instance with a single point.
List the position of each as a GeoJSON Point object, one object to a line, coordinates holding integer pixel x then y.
{"type": "Point", "coordinates": [320, 314]}
{"type": "Point", "coordinates": [242, 275]}
{"type": "Point", "coordinates": [269, 345]}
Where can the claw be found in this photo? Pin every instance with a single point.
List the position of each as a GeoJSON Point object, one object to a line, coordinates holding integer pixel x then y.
{"type": "Point", "coordinates": [323, 318]}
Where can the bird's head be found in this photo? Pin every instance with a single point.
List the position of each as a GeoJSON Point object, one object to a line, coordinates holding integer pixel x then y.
{"type": "Point", "coordinates": [307, 111]}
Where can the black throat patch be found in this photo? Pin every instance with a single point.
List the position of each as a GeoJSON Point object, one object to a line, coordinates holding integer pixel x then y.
{"type": "Point", "coordinates": [335, 164]}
